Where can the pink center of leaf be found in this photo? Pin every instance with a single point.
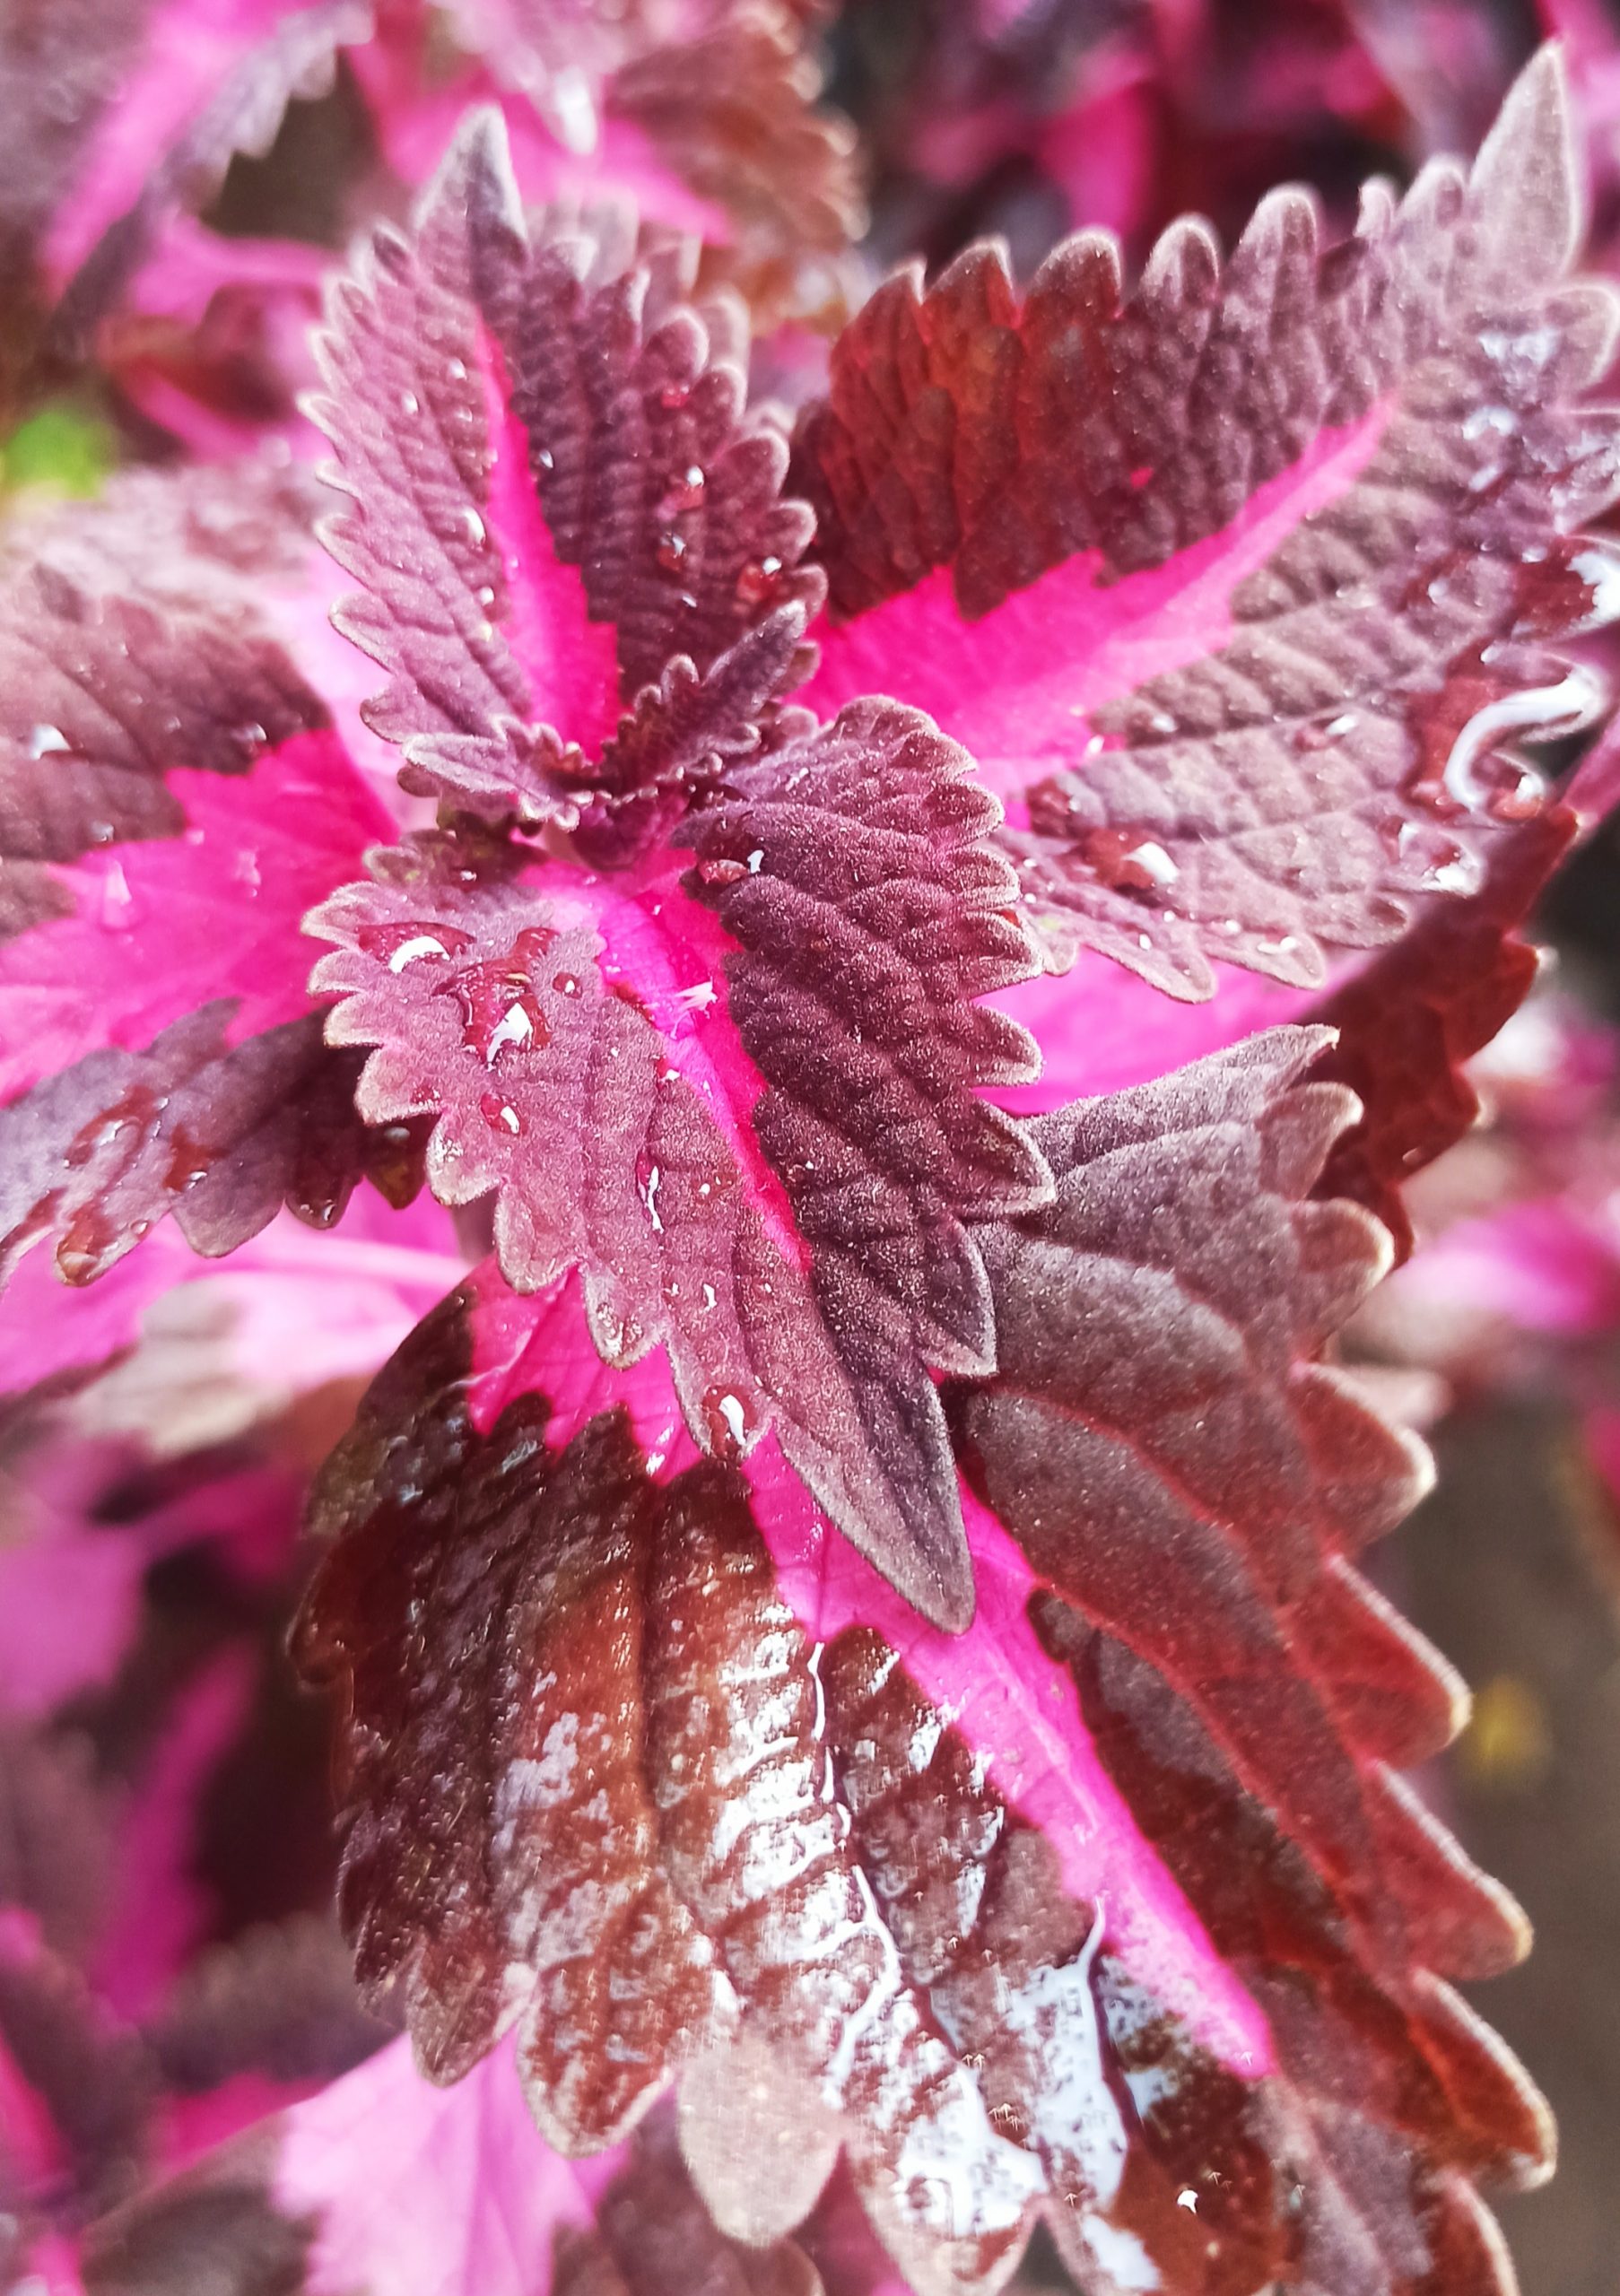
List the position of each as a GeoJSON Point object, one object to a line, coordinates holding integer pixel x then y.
{"type": "Point", "coordinates": [1017, 687]}
{"type": "Point", "coordinates": [570, 662]}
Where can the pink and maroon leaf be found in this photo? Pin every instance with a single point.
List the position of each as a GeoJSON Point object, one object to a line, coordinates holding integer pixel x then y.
{"type": "Point", "coordinates": [172, 798]}
{"type": "Point", "coordinates": [779, 1202]}
{"type": "Point", "coordinates": [671, 1863]}
{"type": "Point", "coordinates": [556, 495]}
{"type": "Point", "coordinates": [758, 1133]}
{"type": "Point", "coordinates": [382, 2182]}
{"type": "Point", "coordinates": [1230, 581]}
{"type": "Point", "coordinates": [1217, 1989]}
{"type": "Point", "coordinates": [199, 85]}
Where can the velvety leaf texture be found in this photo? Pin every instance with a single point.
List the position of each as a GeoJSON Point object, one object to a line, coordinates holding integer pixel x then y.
{"type": "Point", "coordinates": [1232, 580]}
{"type": "Point", "coordinates": [862, 1739]}
{"type": "Point", "coordinates": [1171, 1421]}
{"type": "Point", "coordinates": [621, 1768]}
{"type": "Point", "coordinates": [742, 1097]}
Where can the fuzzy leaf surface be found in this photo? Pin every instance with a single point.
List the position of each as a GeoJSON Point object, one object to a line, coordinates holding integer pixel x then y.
{"type": "Point", "coordinates": [555, 493]}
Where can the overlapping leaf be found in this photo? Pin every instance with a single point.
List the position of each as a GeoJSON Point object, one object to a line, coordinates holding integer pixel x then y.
{"type": "Point", "coordinates": [121, 1722]}
{"type": "Point", "coordinates": [1193, 1490]}
{"type": "Point", "coordinates": [1409, 1024]}
{"type": "Point", "coordinates": [606, 1707]}
{"type": "Point", "coordinates": [201, 82]}
{"type": "Point", "coordinates": [743, 1098]}
{"type": "Point", "coordinates": [648, 1858]}
{"type": "Point", "coordinates": [1232, 581]}
{"type": "Point", "coordinates": [1110, 1907]}
{"type": "Point", "coordinates": [555, 494]}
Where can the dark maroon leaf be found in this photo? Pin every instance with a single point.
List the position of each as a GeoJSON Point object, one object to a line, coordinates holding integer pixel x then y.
{"type": "Point", "coordinates": [706, 113]}
{"type": "Point", "coordinates": [570, 1658]}
{"type": "Point", "coordinates": [1192, 1487]}
{"type": "Point", "coordinates": [730, 108]}
{"type": "Point", "coordinates": [219, 1135]}
{"type": "Point", "coordinates": [216, 2228]}
{"type": "Point", "coordinates": [1335, 2172]}
{"type": "Point", "coordinates": [1174, 1462]}
{"type": "Point", "coordinates": [279, 2001]}
{"type": "Point", "coordinates": [1230, 581]}
{"type": "Point", "coordinates": [1411, 1022]}
{"type": "Point", "coordinates": [586, 1789]}
{"type": "Point", "coordinates": [67, 2064]}
{"type": "Point", "coordinates": [103, 699]}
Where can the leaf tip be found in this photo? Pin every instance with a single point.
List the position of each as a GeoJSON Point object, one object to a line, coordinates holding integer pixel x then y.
{"type": "Point", "coordinates": [1526, 180]}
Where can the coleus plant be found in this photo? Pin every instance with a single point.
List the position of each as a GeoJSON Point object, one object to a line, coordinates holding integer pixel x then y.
{"type": "Point", "coordinates": [849, 1614]}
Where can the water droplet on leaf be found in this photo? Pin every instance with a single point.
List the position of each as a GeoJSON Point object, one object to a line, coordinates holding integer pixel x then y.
{"type": "Point", "coordinates": [759, 582]}
{"type": "Point", "coordinates": [500, 1114]}
{"type": "Point", "coordinates": [728, 1422]}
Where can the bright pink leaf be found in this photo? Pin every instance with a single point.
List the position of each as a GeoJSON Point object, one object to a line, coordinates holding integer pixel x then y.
{"type": "Point", "coordinates": [383, 2182]}
{"type": "Point", "coordinates": [192, 83]}
{"type": "Point", "coordinates": [212, 339]}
